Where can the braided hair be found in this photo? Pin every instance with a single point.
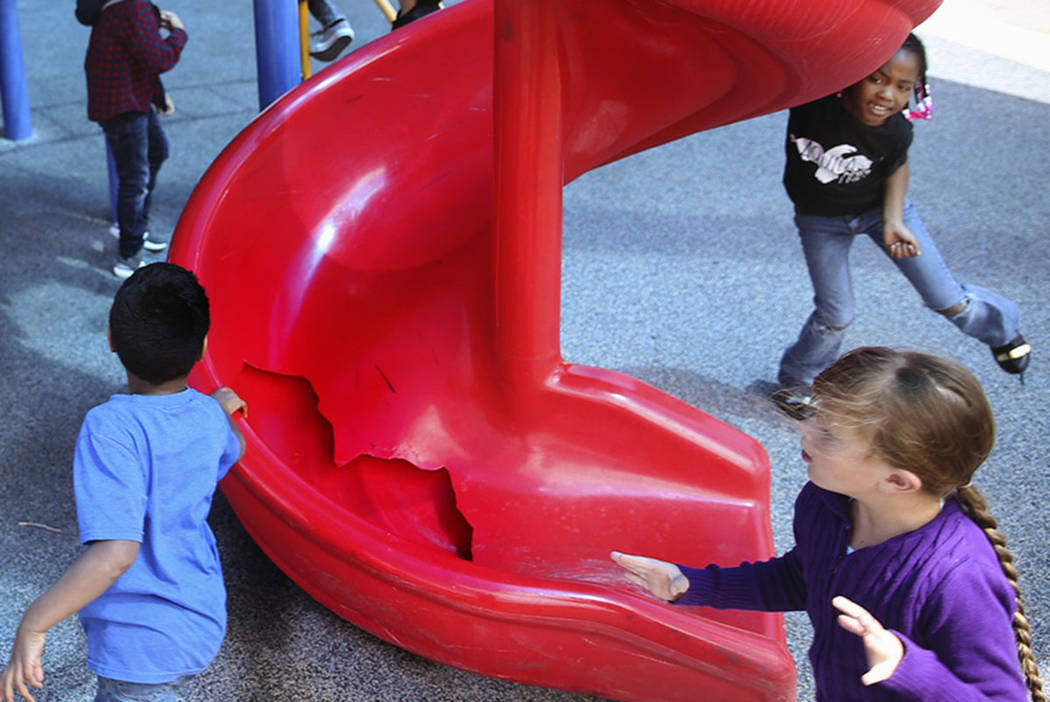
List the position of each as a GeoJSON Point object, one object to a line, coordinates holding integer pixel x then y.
{"type": "Point", "coordinates": [929, 416]}
{"type": "Point", "coordinates": [923, 101]}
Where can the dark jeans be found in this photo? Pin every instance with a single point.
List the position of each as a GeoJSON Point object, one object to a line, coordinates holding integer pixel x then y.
{"type": "Point", "coordinates": [325, 12]}
{"type": "Point", "coordinates": [139, 146]}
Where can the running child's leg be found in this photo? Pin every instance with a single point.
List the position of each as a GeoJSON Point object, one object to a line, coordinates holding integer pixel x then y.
{"type": "Point", "coordinates": [826, 243]}
{"type": "Point", "coordinates": [983, 314]}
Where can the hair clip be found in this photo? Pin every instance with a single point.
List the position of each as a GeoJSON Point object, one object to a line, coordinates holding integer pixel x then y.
{"type": "Point", "coordinates": [923, 106]}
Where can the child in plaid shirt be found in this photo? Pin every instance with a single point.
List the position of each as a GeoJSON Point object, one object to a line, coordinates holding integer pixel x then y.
{"type": "Point", "coordinates": [125, 57]}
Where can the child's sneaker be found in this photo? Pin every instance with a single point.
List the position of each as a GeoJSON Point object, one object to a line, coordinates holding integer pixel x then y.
{"type": "Point", "coordinates": [153, 245]}
{"type": "Point", "coordinates": [327, 43]}
{"type": "Point", "coordinates": [794, 401]}
{"type": "Point", "coordinates": [422, 9]}
{"type": "Point", "coordinates": [124, 267]}
{"type": "Point", "coordinates": [149, 244]}
{"type": "Point", "coordinates": [1013, 356]}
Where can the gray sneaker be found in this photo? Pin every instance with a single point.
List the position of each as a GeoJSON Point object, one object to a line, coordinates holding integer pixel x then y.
{"type": "Point", "coordinates": [149, 244]}
{"type": "Point", "coordinates": [327, 43]}
{"type": "Point", "coordinates": [124, 267]}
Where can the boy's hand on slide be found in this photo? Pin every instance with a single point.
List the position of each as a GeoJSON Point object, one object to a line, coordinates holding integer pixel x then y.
{"type": "Point", "coordinates": [883, 648]}
{"type": "Point", "coordinates": [661, 578]}
{"type": "Point", "coordinates": [230, 401]}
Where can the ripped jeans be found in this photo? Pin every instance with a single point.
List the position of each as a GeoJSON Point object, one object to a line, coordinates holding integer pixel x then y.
{"type": "Point", "coordinates": [826, 241]}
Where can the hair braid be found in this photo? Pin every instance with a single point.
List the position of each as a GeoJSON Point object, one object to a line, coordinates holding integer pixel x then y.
{"type": "Point", "coordinates": [976, 508]}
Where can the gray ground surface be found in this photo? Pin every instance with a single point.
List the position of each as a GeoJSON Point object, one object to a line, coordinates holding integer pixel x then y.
{"type": "Point", "coordinates": [681, 267]}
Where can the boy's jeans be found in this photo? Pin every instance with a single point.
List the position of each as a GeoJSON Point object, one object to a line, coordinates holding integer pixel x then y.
{"type": "Point", "coordinates": [139, 147]}
{"type": "Point", "coordinates": [826, 242]}
{"type": "Point", "coordinates": [120, 691]}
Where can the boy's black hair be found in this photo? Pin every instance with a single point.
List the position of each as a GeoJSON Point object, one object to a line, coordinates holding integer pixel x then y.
{"type": "Point", "coordinates": [158, 322]}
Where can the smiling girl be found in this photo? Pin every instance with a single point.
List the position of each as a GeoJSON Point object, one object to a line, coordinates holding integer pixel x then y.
{"type": "Point", "coordinates": [847, 174]}
{"type": "Point", "coordinates": [905, 577]}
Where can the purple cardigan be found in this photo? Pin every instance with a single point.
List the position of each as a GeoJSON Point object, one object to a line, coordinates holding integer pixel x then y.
{"type": "Point", "coordinates": [939, 588]}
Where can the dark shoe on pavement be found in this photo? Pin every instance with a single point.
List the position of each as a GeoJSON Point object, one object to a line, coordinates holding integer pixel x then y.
{"type": "Point", "coordinates": [1013, 356]}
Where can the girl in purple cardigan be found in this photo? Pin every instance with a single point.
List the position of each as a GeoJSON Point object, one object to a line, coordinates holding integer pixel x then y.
{"type": "Point", "coordinates": [910, 589]}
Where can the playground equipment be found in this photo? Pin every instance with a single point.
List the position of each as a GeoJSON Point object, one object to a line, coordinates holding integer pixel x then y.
{"type": "Point", "coordinates": [382, 252]}
{"type": "Point", "coordinates": [13, 91]}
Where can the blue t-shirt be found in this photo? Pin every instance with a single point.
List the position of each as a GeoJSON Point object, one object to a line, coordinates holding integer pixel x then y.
{"type": "Point", "coordinates": [145, 470]}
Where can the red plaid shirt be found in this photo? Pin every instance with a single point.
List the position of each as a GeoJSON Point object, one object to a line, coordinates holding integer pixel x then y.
{"type": "Point", "coordinates": [125, 57]}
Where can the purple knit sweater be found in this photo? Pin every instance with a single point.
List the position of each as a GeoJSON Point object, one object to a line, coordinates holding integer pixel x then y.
{"type": "Point", "coordinates": [940, 588]}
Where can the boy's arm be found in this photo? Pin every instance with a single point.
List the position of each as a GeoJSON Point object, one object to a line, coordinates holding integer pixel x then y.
{"type": "Point", "coordinates": [145, 43]}
{"type": "Point", "coordinates": [89, 576]}
{"type": "Point", "coordinates": [899, 240]}
{"type": "Point", "coordinates": [231, 404]}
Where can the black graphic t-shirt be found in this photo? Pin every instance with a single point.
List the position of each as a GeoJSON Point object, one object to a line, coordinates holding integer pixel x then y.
{"type": "Point", "coordinates": [837, 165]}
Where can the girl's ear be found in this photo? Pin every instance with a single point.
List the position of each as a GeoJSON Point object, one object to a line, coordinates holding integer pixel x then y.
{"type": "Point", "coordinates": [109, 338]}
{"type": "Point", "coordinates": [899, 481]}
{"type": "Point", "coordinates": [204, 347]}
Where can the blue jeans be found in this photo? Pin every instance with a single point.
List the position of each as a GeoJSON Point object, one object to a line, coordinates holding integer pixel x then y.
{"type": "Point", "coordinates": [120, 691]}
{"type": "Point", "coordinates": [826, 241]}
{"type": "Point", "coordinates": [139, 147]}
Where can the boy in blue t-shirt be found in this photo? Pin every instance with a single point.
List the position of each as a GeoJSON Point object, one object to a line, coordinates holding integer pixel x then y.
{"type": "Point", "coordinates": [149, 585]}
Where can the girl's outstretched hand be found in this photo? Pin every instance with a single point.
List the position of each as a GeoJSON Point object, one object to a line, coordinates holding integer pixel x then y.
{"type": "Point", "coordinates": [24, 667]}
{"type": "Point", "coordinates": [883, 648]}
{"type": "Point", "coordinates": [661, 578]}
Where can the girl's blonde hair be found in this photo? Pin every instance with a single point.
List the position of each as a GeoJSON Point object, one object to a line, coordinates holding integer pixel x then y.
{"type": "Point", "coordinates": [929, 416]}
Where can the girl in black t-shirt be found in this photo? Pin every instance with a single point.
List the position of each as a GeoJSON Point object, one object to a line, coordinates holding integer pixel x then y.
{"type": "Point", "coordinates": [847, 174]}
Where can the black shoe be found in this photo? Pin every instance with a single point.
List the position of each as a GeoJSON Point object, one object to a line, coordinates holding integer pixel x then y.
{"type": "Point", "coordinates": [795, 402]}
{"type": "Point", "coordinates": [1013, 356]}
{"type": "Point", "coordinates": [422, 9]}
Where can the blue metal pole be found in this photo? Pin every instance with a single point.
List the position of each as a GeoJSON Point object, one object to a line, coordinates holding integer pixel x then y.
{"type": "Point", "coordinates": [13, 90]}
{"type": "Point", "coordinates": [276, 48]}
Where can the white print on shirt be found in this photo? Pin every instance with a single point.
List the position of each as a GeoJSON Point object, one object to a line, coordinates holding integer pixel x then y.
{"type": "Point", "coordinates": [842, 163]}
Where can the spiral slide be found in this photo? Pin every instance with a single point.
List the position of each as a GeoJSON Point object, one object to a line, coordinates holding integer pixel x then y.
{"type": "Point", "coordinates": [382, 252]}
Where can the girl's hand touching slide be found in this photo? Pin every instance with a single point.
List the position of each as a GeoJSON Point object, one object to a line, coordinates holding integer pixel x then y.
{"type": "Point", "coordinates": [883, 648]}
{"type": "Point", "coordinates": [661, 578]}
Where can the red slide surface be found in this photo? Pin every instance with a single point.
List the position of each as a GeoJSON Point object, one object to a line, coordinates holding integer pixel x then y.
{"type": "Point", "coordinates": [382, 251]}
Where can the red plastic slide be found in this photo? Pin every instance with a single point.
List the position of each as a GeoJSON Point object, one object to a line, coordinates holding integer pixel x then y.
{"type": "Point", "coordinates": [382, 251]}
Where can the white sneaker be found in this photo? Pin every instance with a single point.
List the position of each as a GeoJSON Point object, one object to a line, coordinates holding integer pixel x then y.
{"type": "Point", "coordinates": [327, 43]}
{"type": "Point", "coordinates": [153, 245]}
{"type": "Point", "coordinates": [124, 267]}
